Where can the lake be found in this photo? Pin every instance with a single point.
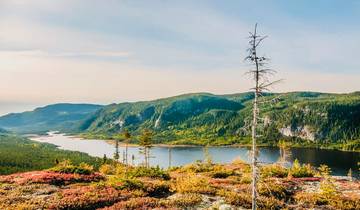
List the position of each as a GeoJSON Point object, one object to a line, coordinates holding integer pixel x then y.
{"type": "Point", "coordinates": [340, 162]}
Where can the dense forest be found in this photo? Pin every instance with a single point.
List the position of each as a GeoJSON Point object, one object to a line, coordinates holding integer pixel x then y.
{"type": "Point", "coordinates": [305, 118]}
{"type": "Point", "coordinates": [21, 154]}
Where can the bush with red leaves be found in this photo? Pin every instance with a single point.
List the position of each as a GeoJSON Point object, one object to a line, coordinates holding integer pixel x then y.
{"type": "Point", "coordinates": [135, 203]}
{"type": "Point", "coordinates": [87, 197]}
{"type": "Point", "coordinates": [49, 177]}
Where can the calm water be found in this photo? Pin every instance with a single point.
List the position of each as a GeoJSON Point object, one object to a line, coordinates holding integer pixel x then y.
{"type": "Point", "coordinates": [339, 161]}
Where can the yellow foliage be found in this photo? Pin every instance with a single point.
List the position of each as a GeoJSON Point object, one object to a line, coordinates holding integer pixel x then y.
{"type": "Point", "coordinates": [192, 183]}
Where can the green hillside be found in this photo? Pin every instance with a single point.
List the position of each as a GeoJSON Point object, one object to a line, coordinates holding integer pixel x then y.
{"type": "Point", "coordinates": [18, 154]}
{"type": "Point", "coordinates": [203, 118]}
{"type": "Point", "coordinates": [62, 117]}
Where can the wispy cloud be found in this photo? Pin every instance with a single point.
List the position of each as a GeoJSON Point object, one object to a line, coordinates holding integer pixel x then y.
{"type": "Point", "coordinates": [65, 50]}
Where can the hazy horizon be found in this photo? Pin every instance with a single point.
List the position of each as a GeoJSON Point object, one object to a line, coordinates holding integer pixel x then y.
{"type": "Point", "coordinates": [23, 107]}
{"type": "Point", "coordinates": [80, 52]}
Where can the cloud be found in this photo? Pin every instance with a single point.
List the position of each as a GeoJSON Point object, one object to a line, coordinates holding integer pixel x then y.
{"type": "Point", "coordinates": [164, 48]}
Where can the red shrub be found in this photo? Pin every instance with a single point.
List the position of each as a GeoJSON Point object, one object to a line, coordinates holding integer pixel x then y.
{"type": "Point", "coordinates": [135, 203]}
{"type": "Point", "coordinates": [307, 179]}
{"type": "Point", "coordinates": [87, 197]}
{"type": "Point", "coordinates": [49, 177]}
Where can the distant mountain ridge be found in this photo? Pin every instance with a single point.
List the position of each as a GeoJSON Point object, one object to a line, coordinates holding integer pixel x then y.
{"type": "Point", "coordinates": [204, 118]}
{"type": "Point", "coordinates": [62, 116]}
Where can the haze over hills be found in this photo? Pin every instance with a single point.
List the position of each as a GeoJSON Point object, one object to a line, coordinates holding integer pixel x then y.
{"type": "Point", "coordinates": [204, 118]}
{"type": "Point", "coordinates": [62, 116]}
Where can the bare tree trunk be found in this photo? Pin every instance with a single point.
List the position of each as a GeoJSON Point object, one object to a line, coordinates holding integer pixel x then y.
{"type": "Point", "coordinates": [254, 125]}
{"type": "Point", "coordinates": [253, 161]}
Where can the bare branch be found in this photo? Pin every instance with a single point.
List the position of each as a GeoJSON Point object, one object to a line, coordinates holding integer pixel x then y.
{"type": "Point", "coordinates": [260, 74]}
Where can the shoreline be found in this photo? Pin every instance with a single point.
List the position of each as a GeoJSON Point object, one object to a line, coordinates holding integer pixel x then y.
{"type": "Point", "coordinates": [122, 144]}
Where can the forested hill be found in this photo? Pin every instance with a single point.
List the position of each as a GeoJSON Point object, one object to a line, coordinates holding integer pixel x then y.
{"type": "Point", "coordinates": [204, 118]}
{"type": "Point", "coordinates": [62, 117]}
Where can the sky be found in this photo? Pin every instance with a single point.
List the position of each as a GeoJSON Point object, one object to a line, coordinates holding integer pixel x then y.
{"type": "Point", "coordinates": [96, 51]}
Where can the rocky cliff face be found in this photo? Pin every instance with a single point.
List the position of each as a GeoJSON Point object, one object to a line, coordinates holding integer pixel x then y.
{"type": "Point", "coordinates": [303, 132]}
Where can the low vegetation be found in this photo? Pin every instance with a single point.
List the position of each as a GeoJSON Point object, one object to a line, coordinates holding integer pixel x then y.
{"type": "Point", "coordinates": [201, 185]}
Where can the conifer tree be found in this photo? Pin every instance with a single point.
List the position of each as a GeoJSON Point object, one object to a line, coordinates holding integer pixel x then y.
{"type": "Point", "coordinates": [127, 137]}
{"type": "Point", "coordinates": [146, 143]}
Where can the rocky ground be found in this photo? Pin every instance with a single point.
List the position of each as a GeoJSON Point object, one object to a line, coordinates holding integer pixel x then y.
{"type": "Point", "coordinates": [195, 186]}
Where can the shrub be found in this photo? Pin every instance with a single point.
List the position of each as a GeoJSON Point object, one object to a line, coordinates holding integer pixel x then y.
{"type": "Point", "coordinates": [222, 174]}
{"type": "Point", "coordinates": [267, 203]}
{"type": "Point", "coordinates": [50, 177]}
{"type": "Point", "coordinates": [184, 200]}
{"type": "Point", "coordinates": [314, 200]}
{"type": "Point", "coordinates": [68, 168]}
{"type": "Point", "coordinates": [346, 203]}
{"type": "Point", "coordinates": [310, 200]}
{"type": "Point", "coordinates": [157, 188]}
{"type": "Point", "coordinates": [238, 161]}
{"type": "Point", "coordinates": [121, 169]}
{"type": "Point", "coordinates": [135, 203]}
{"type": "Point", "coordinates": [86, 197]}
{"type": "Point", "coordinates": [273, 170]}
{"type": "Point", "coordinates": [299, 171]}
{"type": "Point", "coordinates": [153, 172]}
{"type": "Point", "coordinates": [235, 198]}
{"type": "Point", "coordinates": [246, 179]}
{"type": "Point", "coordinates": [197, 167]}
{"type": "Point", "coordinates": [192, 184]}
{"type": "Point", "coordinates": [328, 188]}
{"type": "Point", "coordinates": [324, 170]}
{"type": "Point", "coordinates": [244, 200]}
{"type": "Point", "coordinates": [125, 183]}
{"type": "Point", "coordinates": [271, 189]}
{"type": "Point", "coordinates": [107, 169]}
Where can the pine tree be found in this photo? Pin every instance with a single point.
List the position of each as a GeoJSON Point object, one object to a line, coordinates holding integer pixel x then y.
{"type": "Point", "coordinates": [127, 137]}
{"type": "Point", "coordinates": [146, 143]}
{"type": "Point", "coordinates": [116, 154]}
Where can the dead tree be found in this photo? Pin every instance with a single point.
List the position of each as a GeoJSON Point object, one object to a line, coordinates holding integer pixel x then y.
{"type": "Point", "coordinates": [260, 74]}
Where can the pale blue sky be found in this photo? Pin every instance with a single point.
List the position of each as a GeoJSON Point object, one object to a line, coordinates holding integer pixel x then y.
{"type": "Point", "coordinates": [112, 51]}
